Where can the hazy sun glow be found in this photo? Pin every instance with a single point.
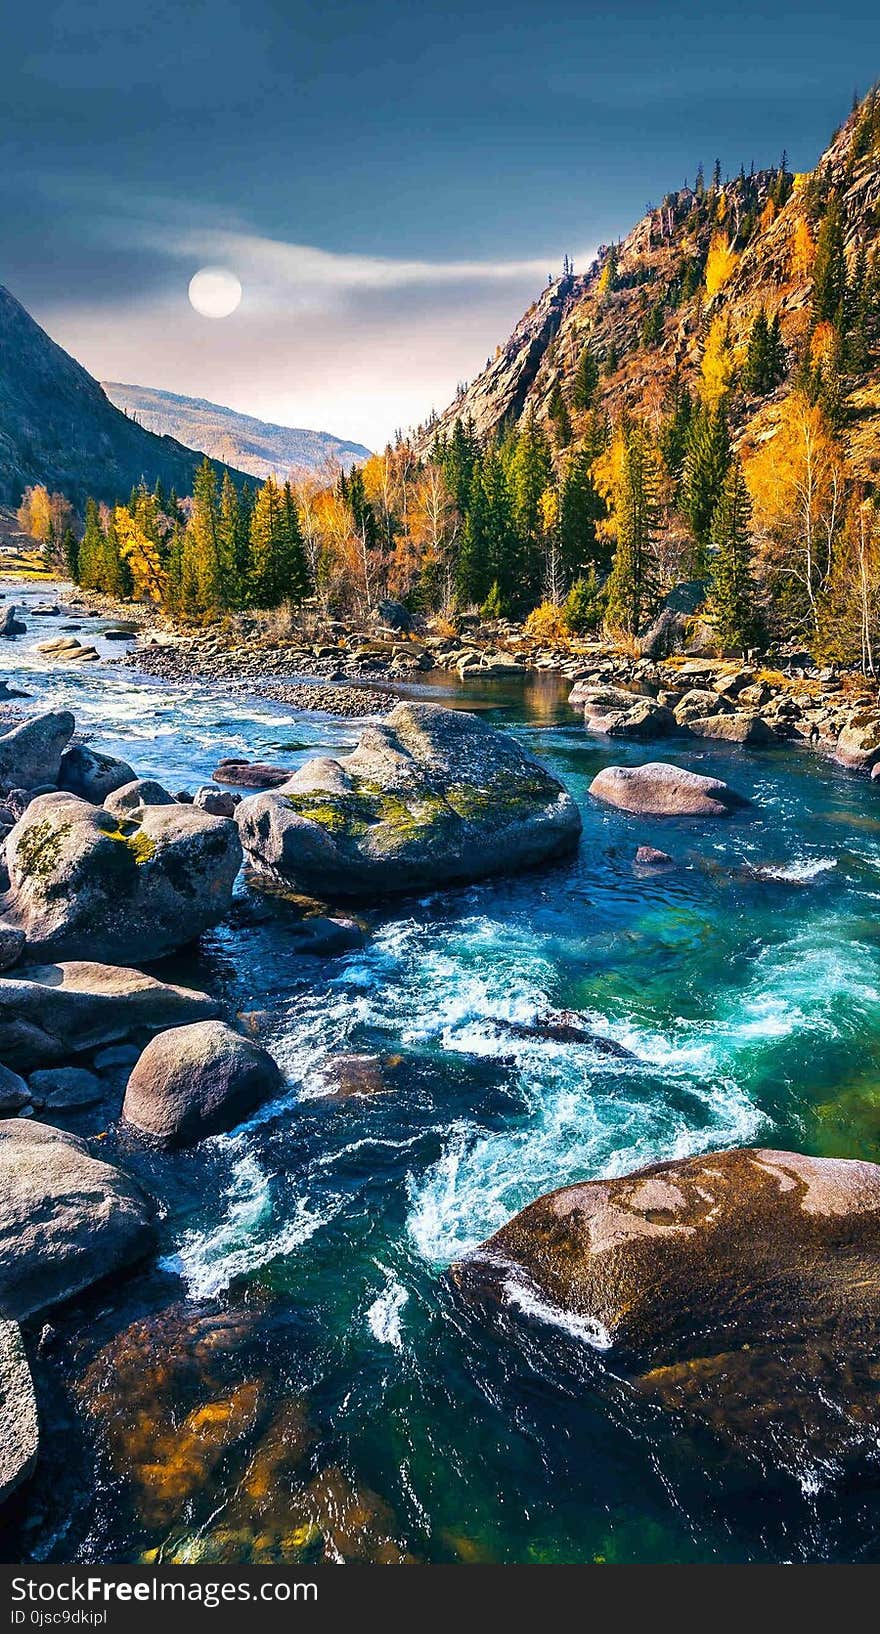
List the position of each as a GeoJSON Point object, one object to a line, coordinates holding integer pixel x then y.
{"type": "Point", "coordinates": [215, 292]}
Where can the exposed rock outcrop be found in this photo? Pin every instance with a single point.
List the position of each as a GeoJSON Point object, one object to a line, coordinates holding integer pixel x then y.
{"type": "Point", "coordinates": [91, 774]}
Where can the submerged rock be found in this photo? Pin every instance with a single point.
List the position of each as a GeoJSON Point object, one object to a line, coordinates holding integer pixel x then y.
{"type": "Point", "coordinates": [250, 774]}
{"type": "Point", "coordinates": [30, 754]}
{"type": "Point", "coordinates": [648, 856]}
{"type": "Point", "coordinates": [662, 790]}
{"type": "Point", "coordinates": [195, 1081]}
{"type": "Point", "coordinates": [58, 1089]}
{"type": "Point", "coordinates": [91, 774]}
{"type": "Point", "coordinates": [19, 1425]}
{"type": "Point", "coordinates": [50, 1012]}
{"type": "Point", "coordinates": [702, 1255]}
{"type": "Point", "coordinates": [66, 1220]}
{"type": "Point", "coordinates": [84, 881]}
{"type": "Point", "coordinates": [431, 797]}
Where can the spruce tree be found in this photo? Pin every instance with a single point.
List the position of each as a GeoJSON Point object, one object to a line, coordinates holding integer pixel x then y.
{"type": "Point", "coordinates": [586, 379]}
{"type": "Point", "coordinates": [733, 599]}
{"type": "Point", "coordinates": [580, 508]}
{"type": "Point", "coordinates": [705, 468]}
{"type": "Point", "coordinates": [205, 584]}
{"type": "Point", "coordinates": [631, 587]}
{"type": "Point", "coordinates": [266, 532]}
{"type": "Point", "coordinates": [472, 573]}
{"type": "Point", "coordinates": [561, 419]}
{"type": "Point", "coordinates": [829, 267]}
{"type": "Point", "coordinates": [531, 470]}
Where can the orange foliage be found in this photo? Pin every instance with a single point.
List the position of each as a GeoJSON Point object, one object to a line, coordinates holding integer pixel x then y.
{"type": "Point", "coordinates": [721, 262]}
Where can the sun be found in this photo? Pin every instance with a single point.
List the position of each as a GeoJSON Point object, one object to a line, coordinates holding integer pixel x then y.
{"type": "Point", "coordinates": [215, 292]}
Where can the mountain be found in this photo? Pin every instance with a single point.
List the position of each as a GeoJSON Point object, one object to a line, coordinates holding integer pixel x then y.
{"type": "Point", "coordinates": [646, 308]}
{"type": "Point", "coordinates": [255, 446]}
{"type": "Point", "coordinates": [57, 426]}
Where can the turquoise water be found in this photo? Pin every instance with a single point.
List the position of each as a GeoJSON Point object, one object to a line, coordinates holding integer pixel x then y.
{"type": "Point", "coordinates": [298, 1374]}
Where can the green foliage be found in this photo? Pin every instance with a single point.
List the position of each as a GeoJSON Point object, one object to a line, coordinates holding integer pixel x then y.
{"type": "Point", "coordinates": [733, 596]}
{"type": "Point", "coordinates": [829, 267]}
{"type": "Point", "coordinates": [585, 604]}
{"type": "Point", "coordinates": [586, 379]}
{"type": "Point", "coordinates": [766, 362]}
{"type": "Point", "coordinates": [707, 459]}
{"type": "Point", "coordinates": [631, 587]}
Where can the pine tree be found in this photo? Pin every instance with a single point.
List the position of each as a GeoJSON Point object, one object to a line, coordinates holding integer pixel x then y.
{"type": "Point", "coordinates": [266, 530]}
{"type": "Point", "coordinates": [293, 583]}
{"type": "Point", "coordinates": [733, 597]}
{"type": "Point", "coordinates": [90, 564]}
{"type": "Point", "coordinates": [531, 470]}
{"type": "Point", "coordinates": [586, 379]}
{"type": "Point", "coordinates": [757, 365]}
{"type": "Point", "coordinates": [472, 574]}
{"type": "Point", "coordinates": [631, 586]}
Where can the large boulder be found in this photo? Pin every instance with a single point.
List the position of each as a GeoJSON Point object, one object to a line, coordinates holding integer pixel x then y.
{"type": "Point", "coordinates": [195, 1081]}
{"type": "Point", "coordinates": [91, 774]}
{"type": "Point", "coordinates": [643, 718]}
{"type": "Point", "coordinates": [66, 1219]}
{"type": "Point", "coordinates": [661, 790]}
{"type": "Point", "coordinates": [739, 727]}
{"type": "Point", "coordinates": [50, 1012]}
{"type": "Point", "coordinates": [86, 882]}
{"type": "Point", "coordinates": [142, 791]}
{"type": "Point", "coordinates": [30, 754]}
{"type": "Point", "coordinates": [705, 1254]}
{"type": "Point", "coordinates": [431, 797]}
{"type": "Point", "coordinates": [696, 705]}
{"type": "Point", "coordinates": [858, 745]}
{"type": "Point", "coordinates": [19, 1426]}
{"type": "Point", "coordinates": [11, 624]}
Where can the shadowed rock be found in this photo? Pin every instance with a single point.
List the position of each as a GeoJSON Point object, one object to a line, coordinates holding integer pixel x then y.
{"type": "Point", "coordinates": [66, 1220]}
{"type": "Point", "coordinates": [431, 797]}
{"type": "Point", "coordinates": [661, 790]}
{"type": "Point", "coordinates": [30, 754]}
{"type": "Point", "coordinates": [91, 774]}
{"type": "Point", "coordinates": [84, 881]}
{"type": "Point", "coordinates": [19, 1426]}
{"type": "Point", "coordinates": [50, 1012]}
{"type": "Point", "coordinates": [142, 791]}
{"type": "Point", "coordinates": [195, 1081]}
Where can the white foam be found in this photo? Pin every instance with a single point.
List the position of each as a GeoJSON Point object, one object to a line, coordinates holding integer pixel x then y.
{"type": "Point", "coordinates": [800, 870]}
{"type": "Point", "coordinates": [244, 1241]}
{"type": "Point", "coordinates": [586, 1329]}
{"type": "Point", "coordinates": [383, 1316]}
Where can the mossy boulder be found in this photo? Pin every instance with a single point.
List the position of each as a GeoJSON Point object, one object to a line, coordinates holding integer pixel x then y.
{"type": "Point", "coordinates": [85, 882]}
{"type": "Point", "coordinates": [431, 797]}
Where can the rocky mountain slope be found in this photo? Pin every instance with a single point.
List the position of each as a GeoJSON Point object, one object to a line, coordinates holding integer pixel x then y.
{"type": "Point", "coordinates": [646, 308]}
{"type": "Point", "coordinates": [256, 446]}
{"type": "Point", "coordinates": [57, 427]}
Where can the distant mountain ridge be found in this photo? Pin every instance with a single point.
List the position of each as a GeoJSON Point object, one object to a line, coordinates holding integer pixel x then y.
{"type": "Point", "coordinates": [256, 446]}
{"type": "Point", "coordinates": [57, 426]}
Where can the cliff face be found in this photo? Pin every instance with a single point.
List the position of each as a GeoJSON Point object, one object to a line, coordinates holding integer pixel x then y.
{"type": "Point", "coordinates": [647, 317]}
{"type": "Point", "coordinates": [57, 427]}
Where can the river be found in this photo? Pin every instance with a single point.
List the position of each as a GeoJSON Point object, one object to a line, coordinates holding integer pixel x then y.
{"type": "Point", "coordinates": [297, 1375]}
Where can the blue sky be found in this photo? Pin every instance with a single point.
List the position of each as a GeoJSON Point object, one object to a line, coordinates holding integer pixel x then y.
{"type": "Point", "coordinates": [391, 182]}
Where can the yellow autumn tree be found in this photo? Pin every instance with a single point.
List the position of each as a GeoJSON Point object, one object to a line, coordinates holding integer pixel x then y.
{"type": "Point", "coordinates": [796, 484]}
{"type": "Point", "coordinates": [141, 552]}
{"type": "Point", "coordinates": [721, 262]}
{"type": "Point", "coordinates": [767, 216]}
{"type": "Point", "coordinates": [717, 367]}
{"type": "Point", "coordinates": [803, 252]}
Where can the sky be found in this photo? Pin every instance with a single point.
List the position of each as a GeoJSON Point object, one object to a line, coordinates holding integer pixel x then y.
{"type": "Point", "coordinates": [391, 182]}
